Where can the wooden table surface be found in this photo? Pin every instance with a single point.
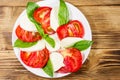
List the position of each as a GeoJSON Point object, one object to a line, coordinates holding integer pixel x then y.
{"type": "Point", "coordinates": [103, 62]}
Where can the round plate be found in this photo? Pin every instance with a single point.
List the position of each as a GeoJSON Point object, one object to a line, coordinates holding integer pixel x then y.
{"type": "Point", "coordinates": [75, 14]}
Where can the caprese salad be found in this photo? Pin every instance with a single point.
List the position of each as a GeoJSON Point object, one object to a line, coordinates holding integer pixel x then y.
{"type": "Point", "coordinates": [49, 39]}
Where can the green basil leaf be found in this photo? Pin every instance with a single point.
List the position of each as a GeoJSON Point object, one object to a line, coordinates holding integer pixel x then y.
{"type": "Point", "coordinates": [45, 36]}
{"type": "Point", "coordinates": [82, 45]}
{"type": "Point", "coordinates": [31, 6]}
{"type": "Point", "coordinates": [21, 44]}
{"type": "Point", "coordinates": [48, 69]}
{"type": "Point", "coordinates": [40, 29]}
{"type": "Point", "coordinates": [50, 41]}
{"type": "Point", "coordinates": [63, 14]}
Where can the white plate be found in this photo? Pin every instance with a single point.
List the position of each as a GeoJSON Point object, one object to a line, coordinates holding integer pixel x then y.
{"type": "Point", "coordinates": [75, 14]}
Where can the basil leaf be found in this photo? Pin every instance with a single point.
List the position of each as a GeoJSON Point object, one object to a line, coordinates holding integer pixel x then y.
{"type": "Point", "coordinates": [82, 45]}
{"type": "Point", "coordinates": [21, 44]}
{"type": "Point", "coordinates": [45, 36]}
{"type": "Point", "coordinates": [31, 6]}
{"type": "Point", "coordinates": [50, 41]}
{"type": "Point", "coordinates": [40, 29]}
{"type": "Point", "coordinates": [63, 14]}
{"type": "Point", "coordinates": [48, 69]}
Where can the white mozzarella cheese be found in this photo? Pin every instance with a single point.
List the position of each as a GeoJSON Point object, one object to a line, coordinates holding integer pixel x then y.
{"type": "Point", "coordinates": [57, 60]}
{"type": "Point", "coordinates": [69, 41]}
{"type": "Point", "coordinates": [54, 18]}
{"type": "Point", "coordinates": [26, 24]}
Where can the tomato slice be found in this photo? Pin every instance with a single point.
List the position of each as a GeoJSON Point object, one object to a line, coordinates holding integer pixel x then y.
{"type": "Point", "coordinates": [27, 36]}
{"type": "Point", "coordinates": [72, 60]}
{"type": "Point", "coordinates": [42, 16]}
{"type": "Point", "coordinates": [62, 32]}
{"type": "Point", "coordinates": [72, 29]}
{"type": "Point", "coordinates": [36, 59]}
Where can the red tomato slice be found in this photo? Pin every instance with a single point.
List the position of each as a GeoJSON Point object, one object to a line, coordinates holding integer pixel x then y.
{"type": "Point", "coordinates": [72, 29]}
{"type": "Point", "coordinates": [72, 60]}
{"type": "Point", "coordinates": [27, 36]}
{"type": "Point", "coordinates": [62, 32]}
{"type": "Point", "coordinates": [42, 16]}
{"type": "Point", "coordinates": [37, 59]}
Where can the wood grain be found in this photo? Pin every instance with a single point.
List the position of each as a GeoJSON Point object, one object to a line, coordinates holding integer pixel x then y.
{"type": "Point", "coordinates": [74, 2]}
{"type": "Point", "coordinates": [103, 62]}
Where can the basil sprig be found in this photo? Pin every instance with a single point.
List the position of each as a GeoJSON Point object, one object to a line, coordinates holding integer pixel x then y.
{"type": "Point", "coordinates": [21, 44]}
{"type": "Point", "coordinates": [82, 45]}
{"type": "Point", "coordinates": [48, 69]}
{"type": "Point", "coordinates": [63, 14]}
{"type": "Point", "coordinates": [31, 6]}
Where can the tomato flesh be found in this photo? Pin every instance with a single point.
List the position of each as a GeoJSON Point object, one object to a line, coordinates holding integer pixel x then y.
{"type": "Point", "coordinates": [27, 36]}
{"type": "Point", "coordinates": [36, 59]}
{"type": "Point", "coordinates": [72, 60]}
{"type": "Point", "coordinates": [62, 32]}
{"type": "Point", "coordinates": [42, 16]}
{"type": "Point", "coordinates": [72, 29]}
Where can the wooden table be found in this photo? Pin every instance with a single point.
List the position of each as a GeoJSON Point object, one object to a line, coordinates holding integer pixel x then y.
{"type": "Point", "coordinates": [104, 60]}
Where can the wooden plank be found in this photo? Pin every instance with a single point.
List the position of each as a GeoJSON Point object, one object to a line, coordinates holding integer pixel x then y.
{"type": "Point", "coordinates": [8, 17]}
{"type": "Point", "coordinates": [103, 18]}
{"type": "Point", "coordinates": [99, 64]}
{"type": "Point", "coordinates": [104, 23]}
{"type": "Point", "coordinates": [15, 2]}
{"type": "Point", "coordinates": [74, 2]}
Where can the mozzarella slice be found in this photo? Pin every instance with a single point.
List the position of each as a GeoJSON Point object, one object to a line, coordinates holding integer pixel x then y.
{"type": "Point", "coordinates": [57, 60]}
{"type": "Point", "coordinates": [57, 43]}
{"type": "Point", "coordinates": [26, 24]}
{"type": "Point", "coordinates": [69, 41]}
{"type": "Point", "coordinates": [39, 46]}
{"type": "Point", "coordinates": [54, 18]}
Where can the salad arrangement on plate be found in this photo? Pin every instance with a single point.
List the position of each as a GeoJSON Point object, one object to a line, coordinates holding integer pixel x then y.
{"type": "Point", "coordinates": [47, 37]}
